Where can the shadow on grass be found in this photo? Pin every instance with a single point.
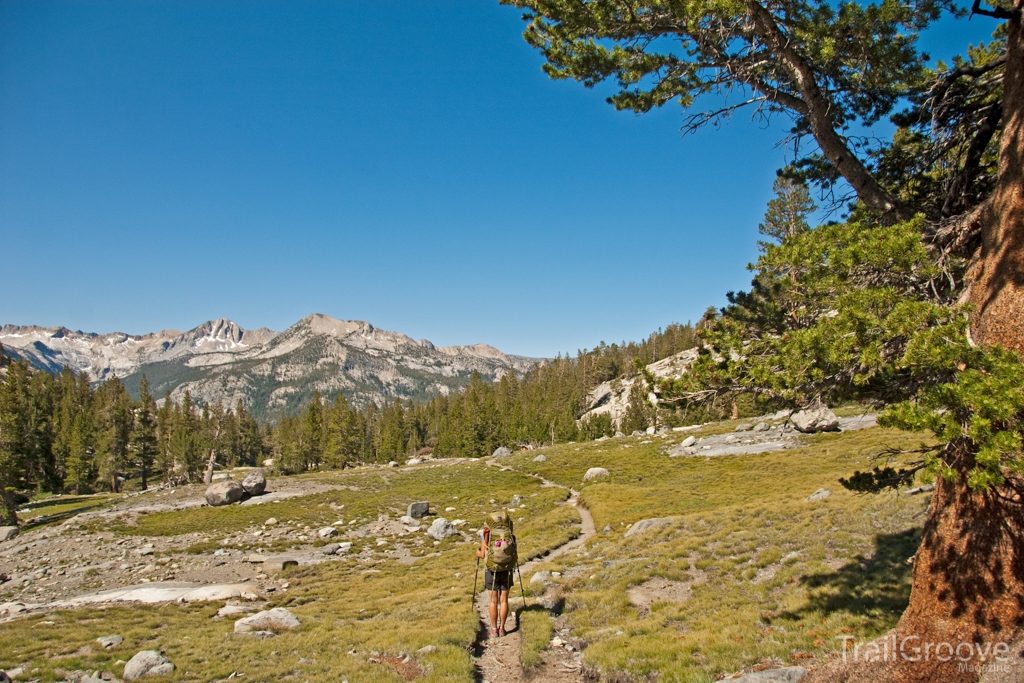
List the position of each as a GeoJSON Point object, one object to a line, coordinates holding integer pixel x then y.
{"type": "Point", "coordinates": [62, 500]}
{"type": "Point", "coordinates": [874, 585]}
{"type": "Point", "coordinates": [42, 520]}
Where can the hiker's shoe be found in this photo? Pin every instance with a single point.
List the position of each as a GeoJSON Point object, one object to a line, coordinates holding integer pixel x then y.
{"type": "Point", "coordinates": [501, 632]}
{"type": "Point", "coordinates": [495, 633]}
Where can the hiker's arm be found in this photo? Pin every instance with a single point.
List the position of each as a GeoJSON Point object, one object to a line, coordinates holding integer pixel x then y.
{"type": "Point", "coordinates": [481, 552]}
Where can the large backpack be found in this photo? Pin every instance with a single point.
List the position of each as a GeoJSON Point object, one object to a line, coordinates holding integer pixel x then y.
{"type": "Point", "coordinates": [501, 544]}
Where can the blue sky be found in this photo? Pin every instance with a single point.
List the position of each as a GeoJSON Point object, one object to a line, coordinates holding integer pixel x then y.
{"type": "Point", "coordinates": [404, 163]}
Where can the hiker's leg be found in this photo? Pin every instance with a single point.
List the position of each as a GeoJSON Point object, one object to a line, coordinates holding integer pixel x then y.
{"type": "Point", "coordinates": [492, 611]}
{"type": "Point", "coordinates": [504, 608]}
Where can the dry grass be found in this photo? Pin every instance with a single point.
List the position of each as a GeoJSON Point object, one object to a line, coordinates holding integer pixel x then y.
{"type": "Point", "coordinates": [772, 576]}
{"type": "Point", "coordinates": [353, 617]}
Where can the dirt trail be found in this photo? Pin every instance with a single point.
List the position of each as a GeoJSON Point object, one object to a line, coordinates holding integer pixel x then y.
{"type": "Point", "coordinates": [499, 660]}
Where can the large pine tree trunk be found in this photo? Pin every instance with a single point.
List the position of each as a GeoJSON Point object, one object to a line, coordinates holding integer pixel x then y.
{"type": "Point", "coordinates": [997, 290]}
{"type": "Point", "coordinates": [969, 571]}
{"type": "Point", "coordinates": [968, 583]}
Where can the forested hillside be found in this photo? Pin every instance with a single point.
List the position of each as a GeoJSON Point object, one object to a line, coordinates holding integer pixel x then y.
{"type": "Point", "coordinates": [59, 433]}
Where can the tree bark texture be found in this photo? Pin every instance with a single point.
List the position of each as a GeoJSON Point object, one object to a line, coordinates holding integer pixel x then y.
{"type": "Point", "coordinates": [968, 583]}
{"type": "Point", "coordinates": [997, 287]}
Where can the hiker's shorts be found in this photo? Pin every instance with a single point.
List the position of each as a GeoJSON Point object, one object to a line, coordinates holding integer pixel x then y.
{"type": "Point", "coordinates": [497, 581]}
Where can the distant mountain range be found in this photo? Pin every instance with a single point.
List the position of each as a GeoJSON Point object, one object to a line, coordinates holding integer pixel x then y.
{"type": "Point", "coordinates": [270, 372]}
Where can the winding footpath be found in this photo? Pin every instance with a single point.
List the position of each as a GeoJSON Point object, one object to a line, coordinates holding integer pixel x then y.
{"type": "Point", "coordinates": [500, 661]}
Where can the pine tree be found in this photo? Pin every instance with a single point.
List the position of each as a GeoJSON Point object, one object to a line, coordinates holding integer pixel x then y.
{"type": "Point", "coordinates": [144, 433]}
{"type": "Point", "coordinates": [14, 399]}
{"type": "Point", "coordinates": [637, 417]}
{"type": "Point", "coordinates": [787, 213]}
{"type": "Point", "coordinates": [313, 434]}
{"type": "Point", "coordinates": [164, 431]}
{"type": "Point", "coordinates": [113, 431]}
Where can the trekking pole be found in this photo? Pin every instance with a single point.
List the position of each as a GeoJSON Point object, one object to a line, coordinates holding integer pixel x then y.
{"type": "Point", "coordinates": [523, 590]}
{"type": "Point", "coordinates": [476, 575]}
{"type": "Point", "coordinates": [519, 619]}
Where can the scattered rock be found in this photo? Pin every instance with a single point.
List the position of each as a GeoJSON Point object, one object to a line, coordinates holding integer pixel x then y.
{"type": "Point", "coordinates": [109, 641]}
{"type": "Point", "coordinates": [408, 521]}
{"type": "Point", "coordinates": [647, 525]}
{"type": "Point", "coordinates": [688, 441]}
{"type": "Point", "coordinates": [607, 528]}
{"type": "Point", "coordinates": [501, 452]}
{"type": "Point", "coordinates": [280, 563]}
{"type": "Point", "coordinates": [255, 483]}
{"type": "Point", "coordinates": [270, 522]}
{"type": "Point", "coordinates": [517, 500]}
{"type": "Point", "coordinates": [417, 510]}
{"type": "Point", "coordinates": [782, 415]}
{"type": "Point", "coordinates": [596, 473]}
{"type": "Point", "coordinates": [224, 493]}
{"type": "Point", "coordinates": [789, 674]}
{"type": "Point", "coordinates": [330, 549]}
{"type": "Point", "coordinates": [921, 489]}
{"type": "Point", "coordinates": [275, 621]}
{"type": "Point", "coordinates": [147, 663]}
{"type": "Point", "coordinates": [147, 549]}
{"type": "Point", "coordinates": [637, 432]}
{"type": "Point", "coordinates": [651, 430]}
{"type": "Point", "coordinates": [819, 419]}
{"type": "Point", "coordinates": [413, 461]}
{"type": "Point", "coordinates": [619, 435]}
{"type": "Point", "coordinates": [426, 650]}
{"type": "Point", "coordinates": [8, 532]}
{"type": "Point", "coordinates": [233, 610]}
{"type": "Point", "coordinates": [820, 494]}
{"type": "Point", "coordinates": [743, 428]}
{"type": "Point", "coordinates": [762, 427]}
{"type": "Point", "coordinates": [540, 577]}
{"type": "Point", "coordinates": [9, 609]}
{"type": "Point", "coordinates": [541, 458]}
{"type": "Point", "coordinates": [327, 532]}
{"type": "Point", "coordinates": [442, 529]}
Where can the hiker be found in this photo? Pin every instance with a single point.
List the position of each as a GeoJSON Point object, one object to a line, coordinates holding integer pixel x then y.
{"type": "Point", "coordinates": [498, 549]}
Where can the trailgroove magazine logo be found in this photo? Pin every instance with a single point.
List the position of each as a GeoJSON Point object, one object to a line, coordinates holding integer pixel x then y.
{"type": "Point", "coordinates": [969, 657]}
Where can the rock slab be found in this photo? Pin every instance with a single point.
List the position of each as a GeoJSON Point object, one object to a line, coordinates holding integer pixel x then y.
{"type": "Point", "coordinates": [109, 641]}
{"type": "Point", "coordinates": [8, 532]}
{"type": "Point", "coordinates": [811, 420]}
{"type": "Point", "coordinates": [647, 525]}
{"type": "Point", "coordinates": [224, 493]}
{"type": "Point", "coordinates": [789, 674]}
{"type": "Point", "coordinates": [255, 483]}
{"type": "Point", "coordinates": [596, 473]}
{"type": "Point", "coordinates": [820, 494]}
{"type": "Point", "coordinates": [442, 529]}
{"type": "Point", "coordinates": [419, 509]}
{"type": "Point", "coordinates": [501, 452]}
{"type": "Point", "coordinates": [147, 663]}
{"type": "Point", "coordinates": [277, 564]}
{"type": "Point", "coordinates": [275, 621]}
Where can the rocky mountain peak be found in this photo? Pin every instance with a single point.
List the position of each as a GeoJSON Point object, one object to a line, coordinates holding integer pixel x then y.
{"type": "Point", "coordinates": [270, 372]}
